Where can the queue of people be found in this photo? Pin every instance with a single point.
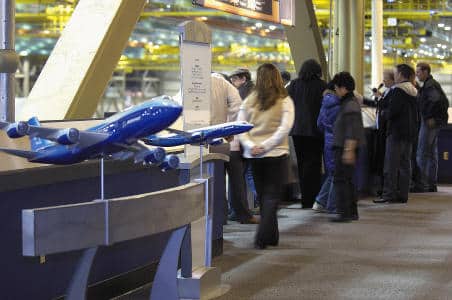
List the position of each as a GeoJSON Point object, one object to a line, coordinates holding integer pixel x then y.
{"type": "Point", "coordinates": [325, 120]}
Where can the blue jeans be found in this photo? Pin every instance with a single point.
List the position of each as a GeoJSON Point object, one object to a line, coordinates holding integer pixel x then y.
{"type": "Point", "coordinates": [427, 156]}
{"type": "Point", "coordinates": [250, 182]}
{"type": "Point", "coordinates": [326, 196]}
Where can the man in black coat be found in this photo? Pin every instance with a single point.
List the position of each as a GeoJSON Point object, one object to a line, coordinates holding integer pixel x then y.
{"type": "Point", "coordinates": [433, 105]}
{"type": "Point", "coordinates": [348, 135]}
{"type": "Point", "coordinates": [307, 92]}
{"type": "Point", "coordinates": [401, 132]}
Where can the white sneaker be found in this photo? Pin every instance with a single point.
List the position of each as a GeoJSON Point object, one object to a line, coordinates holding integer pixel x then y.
{"type": "Point", "coordinates": [317, 207]}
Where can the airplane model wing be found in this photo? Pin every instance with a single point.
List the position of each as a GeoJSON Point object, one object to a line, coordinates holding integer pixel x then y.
{"type": "Point", "coordinates": [180, 132]}
{"type": "Point", "coordinates": [67, 136]}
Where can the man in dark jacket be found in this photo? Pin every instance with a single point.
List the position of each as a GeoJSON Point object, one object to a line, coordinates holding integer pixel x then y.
{"type": "Point", "coordinates": [433, 105]}
{"type": "Point", "coordinates": [306, 92]}
{"type": "Point", "coordinates": [348, 135]}
{"type": "Point", "coordinates": [241, 79]}
{"type": "Point", "coordinates": [401, 132]}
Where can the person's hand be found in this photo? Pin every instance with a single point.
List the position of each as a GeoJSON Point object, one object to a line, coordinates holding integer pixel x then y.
{"type": "Point", "coordinates": [229, 138]}
{"type": "Point", "coordinates": [257, 150]}
{"type": "Point", "coordinates": [348, 157]}
{"type": "Point", "coordinates": [430, 123]}
{"type": "Point", "coordinates": [377, 94]}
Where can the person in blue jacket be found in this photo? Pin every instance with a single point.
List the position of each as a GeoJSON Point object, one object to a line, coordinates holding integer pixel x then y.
{"type": "Point", "coordinates": [330, 108]}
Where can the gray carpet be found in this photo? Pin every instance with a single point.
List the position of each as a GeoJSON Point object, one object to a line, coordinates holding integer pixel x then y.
{"type": "Point", "coordinates": [395, 251]}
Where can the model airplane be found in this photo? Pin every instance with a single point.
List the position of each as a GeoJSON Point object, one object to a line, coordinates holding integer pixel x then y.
{"type": "Point", "coordinates": [116, 137]}
{"type": "Point", "coordinates": [212, 135]}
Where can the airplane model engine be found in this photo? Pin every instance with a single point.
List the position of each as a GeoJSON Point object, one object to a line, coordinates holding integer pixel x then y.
{"type": "Point", "coordinates": [17, 130]}
{"type": "Point", "coordinates": [215, 142]}
{"type": "Point", "coordinates": [171, 162]}
{"type": "Point", "coordinates": [68, 136]}
{"type": "Point", "coordinates": [155, 156]}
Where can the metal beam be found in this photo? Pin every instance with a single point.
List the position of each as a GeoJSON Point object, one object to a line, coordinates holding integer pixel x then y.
{"type": "Point", "coordinates": [79, 226]}
{"type": "Point", "coordinates": [8, 60]}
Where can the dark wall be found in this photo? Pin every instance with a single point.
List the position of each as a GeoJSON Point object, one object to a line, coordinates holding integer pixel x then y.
{"type": "Point", "coordinates": [445, 155]}
{"type": "Point", "coordinates": [24, 277]}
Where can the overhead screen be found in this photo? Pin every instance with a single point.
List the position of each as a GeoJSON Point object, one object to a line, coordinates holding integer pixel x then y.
{"type": "Point", "coordinates": [278, 11]}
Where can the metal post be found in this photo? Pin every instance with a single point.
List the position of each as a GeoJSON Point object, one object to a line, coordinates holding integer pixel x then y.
{"type": "Point", "coordinates": [26, 71]}
{"type": "Point", "coordinates": [8, 60]}
{"type": "Point", "coordinates": [102, 178]}
{"type": "Point", "coordinates": [200, 161]}
{"type": "Point", "coordinates": [377, 42]}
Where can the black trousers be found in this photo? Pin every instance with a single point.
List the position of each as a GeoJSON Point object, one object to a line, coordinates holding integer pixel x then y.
{"type": "Point", "coordinates": [346, 195]}
{"type": "Point", "coordinates": [309, 158]}
{"type": "Point", "coordinates": [397, 169]}
{"type": "Point", "coordinates": [270, 175]}
{"type": "Point", "coordinates": [237, 186]}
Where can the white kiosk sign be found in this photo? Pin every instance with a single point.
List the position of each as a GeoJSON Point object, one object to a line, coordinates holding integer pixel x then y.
{"type": "Point", "coordinates": [196, 67]}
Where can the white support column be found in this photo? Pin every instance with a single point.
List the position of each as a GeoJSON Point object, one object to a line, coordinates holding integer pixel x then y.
{"type": "Point", "coordinates": [377, 42]}
{"type": "Point", "coordinates": [344, 35]}
{"type": "Point", "coordinates": [336, 39]}
{"type": "Point", "coordinates": [357, 43]}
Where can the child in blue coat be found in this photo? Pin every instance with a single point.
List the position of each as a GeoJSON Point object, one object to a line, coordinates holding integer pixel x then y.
{"type": "Point", "coordinates": [328, 112]}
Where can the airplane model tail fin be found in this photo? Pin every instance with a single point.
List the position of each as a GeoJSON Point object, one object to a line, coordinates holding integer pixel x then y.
{"type": "Point", "coordinates": [35, 142]}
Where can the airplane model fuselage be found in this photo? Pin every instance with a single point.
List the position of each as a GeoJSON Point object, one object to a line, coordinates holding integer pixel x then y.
{"type": "Point", "coordinates": [206, 135]}
{"type": "Point", "coordinates": [119, 133]}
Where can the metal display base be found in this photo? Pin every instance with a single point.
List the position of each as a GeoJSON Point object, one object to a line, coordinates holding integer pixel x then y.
{"type": "Point", "coordinates": [204, 284]}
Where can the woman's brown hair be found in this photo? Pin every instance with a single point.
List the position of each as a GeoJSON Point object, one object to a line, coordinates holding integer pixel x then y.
{"type": "Point", "coordinates": [269, 86]}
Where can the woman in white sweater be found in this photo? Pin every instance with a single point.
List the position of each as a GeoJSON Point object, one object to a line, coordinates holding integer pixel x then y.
{"type": "Point", "coordinates": [266, 146]}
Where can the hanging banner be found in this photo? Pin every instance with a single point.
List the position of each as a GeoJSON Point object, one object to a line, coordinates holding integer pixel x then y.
{"type": "Point", "coordinates": [277, 11]}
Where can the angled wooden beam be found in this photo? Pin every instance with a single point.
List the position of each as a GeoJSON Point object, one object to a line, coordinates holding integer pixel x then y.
{"type": "Point", "coordinates": [304, 38]}
{"type": "Point", "coordinates": [83, 60]}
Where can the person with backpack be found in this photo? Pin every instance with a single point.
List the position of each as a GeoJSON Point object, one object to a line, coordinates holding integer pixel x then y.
{"type": "Point", "coordinates": [433, 105]}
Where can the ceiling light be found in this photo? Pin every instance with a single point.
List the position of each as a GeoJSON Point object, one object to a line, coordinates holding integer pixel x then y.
{"type": "Point", "coordinates": [440, 25]}
{"type": "Point", "coordinates": [272, 27]}
{"type": "Point", "coordinates": [423, 39]}
{"type": "Point", "coordinates": [447, 28]}
{"type": "Point", "coordinates": [443, 46]}
{"type": "Point", "coordinates": [258, 25]}
{"type": "Point", "coordinates": [438, 45]}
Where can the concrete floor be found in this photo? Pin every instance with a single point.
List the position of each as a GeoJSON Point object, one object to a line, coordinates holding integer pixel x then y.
{"type": "Point", "coordinates": [395, 251]}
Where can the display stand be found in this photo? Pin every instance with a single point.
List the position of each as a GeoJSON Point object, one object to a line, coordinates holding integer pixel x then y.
{"type": "Point", "coordinates": [195, 49]}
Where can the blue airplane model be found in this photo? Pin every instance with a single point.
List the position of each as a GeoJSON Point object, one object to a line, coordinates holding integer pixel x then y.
{"type": "Point", "coordinates": [116, 137]}
{"type": "Point", "coordinates": [212, 135]}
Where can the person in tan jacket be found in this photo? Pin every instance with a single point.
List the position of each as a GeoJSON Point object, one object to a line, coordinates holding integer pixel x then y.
{"type": "Point", "coordinates": [266, 146]}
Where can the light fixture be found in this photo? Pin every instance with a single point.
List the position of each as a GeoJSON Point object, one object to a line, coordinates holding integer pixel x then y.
{"type": "Point", "coordinates": [423, 39]}
{"type": "Point", "coordinates": [440, 25]}
{"type": "Point", "coordinates": [447, 28]}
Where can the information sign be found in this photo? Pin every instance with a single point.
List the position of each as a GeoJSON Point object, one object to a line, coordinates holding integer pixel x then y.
{"type": "Point", "coordinates": [278, 11]}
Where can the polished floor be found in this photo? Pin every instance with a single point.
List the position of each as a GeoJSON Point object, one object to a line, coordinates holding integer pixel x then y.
{"type": "Point", "coordinates": [395, 251]}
